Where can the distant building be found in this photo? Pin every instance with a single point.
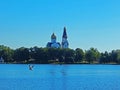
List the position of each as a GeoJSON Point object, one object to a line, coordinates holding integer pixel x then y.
{"type": "Point", "coordinates": [1, 60]}
{"type": "Point", "coordinates": [54, 44]}
{"type": "Point", "coordinates": [65, 43]}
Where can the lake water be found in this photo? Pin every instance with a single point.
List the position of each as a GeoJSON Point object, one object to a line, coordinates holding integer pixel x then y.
{"type": "Point", "coordinates": [59, 77]}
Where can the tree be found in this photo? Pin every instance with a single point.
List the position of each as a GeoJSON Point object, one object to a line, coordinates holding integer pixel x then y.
{"type": "Point", "coordinates": [69, 55]}
{"type": "Point", "coordinates": [53, 53]}
{"type": "Point", "coordinates": [115, 56]}
{"type": "Point", "coordinates": [21, 54]}
{"type": "Point", "coordinates": [92, 55]}
{"type": "Point", "coordinates": [6, 53]}
{"type": "Point", "coordinates": [79, 55]}
{"type": "Point", "coordinates": [40, 55]}
{"type": "Point", "coordinates": [104, 58]}
{"type": "Point", "coordinates": [118, 56]}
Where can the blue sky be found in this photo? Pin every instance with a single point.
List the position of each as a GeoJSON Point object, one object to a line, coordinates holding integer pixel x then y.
{"type": "Point", "coordinates": [89, 23]}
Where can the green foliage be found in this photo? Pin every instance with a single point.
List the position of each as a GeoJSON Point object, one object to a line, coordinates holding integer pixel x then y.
{"type": "Point", "coordinates": [104, 57]}
{"type": "Point", "coordinates": [79, 55]}
{"type": "Point", "coordinates": [112, 57]}
{"type": "Point", "coordinates": [6, 53]}
{"type": "Point", "coordinates": [118, 56]}
{"type": "Point", "coordinates": [21, 54]}
{"type": "Point", "coordinates": [92, 55]}
{"type": "Point", "coordinates": [40, 55]}
{"type": "Point", "coordinates": [68, 55]}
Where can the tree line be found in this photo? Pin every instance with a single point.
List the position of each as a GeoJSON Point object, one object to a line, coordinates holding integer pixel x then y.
{"type": "Point", "coordinates": [39, 55]}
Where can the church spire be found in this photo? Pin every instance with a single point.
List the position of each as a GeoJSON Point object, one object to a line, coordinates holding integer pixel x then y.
{"type": "Point", "coordinates": [64, 33]}
{"type": "Point", "coordinates": [65, 43]}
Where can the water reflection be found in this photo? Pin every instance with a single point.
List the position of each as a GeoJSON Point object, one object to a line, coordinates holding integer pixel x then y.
{"type": "Point", "coordinates": [64, 77]}
{"type": "Point", "coordinates": [58, 77]}
{"type": "Point", "coordinates": [64, 71]}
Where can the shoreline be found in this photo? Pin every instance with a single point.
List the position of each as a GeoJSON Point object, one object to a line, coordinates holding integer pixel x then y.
{"type": "Point", "coordinates": [62, 63]}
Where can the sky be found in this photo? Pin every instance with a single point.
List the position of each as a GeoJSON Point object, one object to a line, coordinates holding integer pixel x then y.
{"type": "Point", "coordinates": [89, 23]}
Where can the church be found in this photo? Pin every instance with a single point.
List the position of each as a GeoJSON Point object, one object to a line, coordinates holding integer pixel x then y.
{"type": "Point", "coordinates": [55, 44]}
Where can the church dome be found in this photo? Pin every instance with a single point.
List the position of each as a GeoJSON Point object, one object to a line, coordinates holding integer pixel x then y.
{"type": "Point", "coordinates": [53, 36]}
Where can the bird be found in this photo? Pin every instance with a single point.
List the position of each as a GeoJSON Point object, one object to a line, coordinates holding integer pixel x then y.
{"type": "Point", "coordinates": [31, 67]}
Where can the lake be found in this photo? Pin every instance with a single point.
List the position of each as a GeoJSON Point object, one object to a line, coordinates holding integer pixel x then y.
{"type": "Point", "coordinates": [59, 77]}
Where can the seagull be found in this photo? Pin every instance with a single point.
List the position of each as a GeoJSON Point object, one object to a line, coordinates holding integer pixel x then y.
{"type": "Point", "coordinates": [31, 67]}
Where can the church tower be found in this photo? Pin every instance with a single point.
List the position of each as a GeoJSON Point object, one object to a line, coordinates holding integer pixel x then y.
{"type": "Point", "coordinates": [65, 43]}
{"type": "Point", "coordinates": [53, 43]}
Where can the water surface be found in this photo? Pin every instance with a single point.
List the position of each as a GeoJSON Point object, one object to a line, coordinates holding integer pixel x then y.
{"type": "Point", "coordinates": [59, 77]}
